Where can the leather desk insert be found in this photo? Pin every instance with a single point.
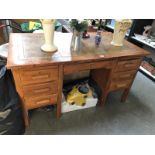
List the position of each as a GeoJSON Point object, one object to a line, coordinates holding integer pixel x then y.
{"type": "Point", "coordinates": [39, 76]}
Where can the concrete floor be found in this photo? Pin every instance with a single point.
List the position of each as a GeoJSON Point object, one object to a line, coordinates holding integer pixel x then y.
{"type": "Point", "coordinates": [136, 116]}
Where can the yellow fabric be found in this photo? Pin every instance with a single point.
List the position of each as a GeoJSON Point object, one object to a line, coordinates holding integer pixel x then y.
{"type": "Point", "coordinates": [31, 25]}
{"type": "Point", "coordinates": [75, 97]}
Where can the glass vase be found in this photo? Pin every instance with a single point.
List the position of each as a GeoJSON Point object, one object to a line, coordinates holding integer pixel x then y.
{"type": "Point", "coordinates": [76, 41]}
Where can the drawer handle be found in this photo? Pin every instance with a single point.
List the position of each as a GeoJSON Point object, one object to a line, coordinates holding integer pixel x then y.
{"type": "Point", "coordinates": [40, 77]}
{"type": "Point", "coordinates": [43, 101]}
{"type": "Point", "coordinates": [121, 85]}
{"type": "Point", "coordinates": [41, 90]}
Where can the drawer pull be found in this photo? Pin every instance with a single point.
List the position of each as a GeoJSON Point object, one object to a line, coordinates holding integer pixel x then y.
{"type": "Point", "coordinates": [41, 90]}
{"type": "Point", "coordinates": [43, 101]}
{"type": "Point", "coordinates": [121, 85]}
{"type": "Point", "coordinates": [40, 77]}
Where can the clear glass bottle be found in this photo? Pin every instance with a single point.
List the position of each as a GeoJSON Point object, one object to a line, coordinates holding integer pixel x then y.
{"type": "Point", "coordinates": [98, 38]}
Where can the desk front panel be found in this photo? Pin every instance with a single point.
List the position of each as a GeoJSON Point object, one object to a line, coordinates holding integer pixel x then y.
{"type": "Point", "coordinates": [76, 67]}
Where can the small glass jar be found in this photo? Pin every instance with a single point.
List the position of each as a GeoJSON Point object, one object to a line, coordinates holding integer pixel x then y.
{"type": "Point", "coordinates": [98, 38]}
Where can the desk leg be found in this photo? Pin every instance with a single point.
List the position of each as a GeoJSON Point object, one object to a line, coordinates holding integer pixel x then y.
{"type": "Point", "coordinates": [103, 99]}
{"type": "Point", "coordinates": [125, 95]}
{"type": "Point", "coordinates": [58, 110]}
{"type": "Point", "coordinates": [126, 91]}
{"type": "Point", "coordinates": [102, 78]}
{"type": "Point", "coordinates": [26, 117]}
{"type": "Point", "coordinates": [20, 93]}
{"type": "Point", "coordinates": [60, 86]}
{"type": "Point", "coordinates": [25, 113]}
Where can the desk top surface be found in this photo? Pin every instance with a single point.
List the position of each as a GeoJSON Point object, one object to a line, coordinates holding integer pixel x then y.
{"type": "Point", "coordinates": [24, 50]}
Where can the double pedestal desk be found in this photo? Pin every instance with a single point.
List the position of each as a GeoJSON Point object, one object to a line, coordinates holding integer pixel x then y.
{"type": "Point", "coordinates": [39, 75]}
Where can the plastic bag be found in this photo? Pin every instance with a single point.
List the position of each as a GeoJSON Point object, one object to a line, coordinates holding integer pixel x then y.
{"type": "Point", "coordinates": [11, 118]}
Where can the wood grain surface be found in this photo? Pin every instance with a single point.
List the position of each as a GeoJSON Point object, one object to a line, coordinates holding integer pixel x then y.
{"type": "Point", "coordinates": [39, 75]}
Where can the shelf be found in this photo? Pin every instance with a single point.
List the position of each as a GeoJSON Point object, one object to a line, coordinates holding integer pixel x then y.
{"type": "Point", "coordinates": [147, 73]}
{"type": "Point", "coordinates": [143, 41]}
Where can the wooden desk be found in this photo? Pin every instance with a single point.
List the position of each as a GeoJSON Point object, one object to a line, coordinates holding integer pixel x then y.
{"type": "Point", "coordinates": [39, 75]}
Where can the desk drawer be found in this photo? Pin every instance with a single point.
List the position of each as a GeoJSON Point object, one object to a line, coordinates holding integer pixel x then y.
{"type": "Point", "coordinates": [126, 65]}
{"type": "Point", "coordinates": [128, 75]}
{"type": "Point", "coordinates": [36, 102]}
{"type": "Point", "coordinates": [102, 64]}
{"type": "Point", "coordinates": [37, 75]}
{"type": "Point", "coordinates": [68, 69]}
{"type": "Point", "coordinates": [41, 89]}
{"type": "Point", "coordinates": [119, 84]}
